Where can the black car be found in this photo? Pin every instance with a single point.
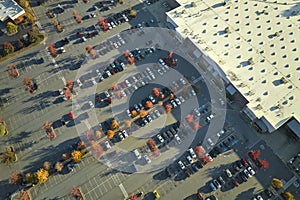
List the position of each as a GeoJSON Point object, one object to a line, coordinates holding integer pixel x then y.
{"type": "Point", "coordinates": [243, 177]}
{"type": "Point", "coordinates": [195, 167]}
{"type": "Point", "coordinates": [268, 193]}
{"type": "Point", "coordinates": [239, 164]}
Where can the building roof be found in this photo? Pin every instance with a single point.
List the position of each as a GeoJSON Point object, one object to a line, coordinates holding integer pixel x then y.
{"type": "Point", "coordinates": [256, 44]}
{"type": "Point", "coordinates": [9, 9]}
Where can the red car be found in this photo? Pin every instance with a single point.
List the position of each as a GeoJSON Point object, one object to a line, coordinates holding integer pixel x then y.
{"type": "Point", "coordinates": [245, 163]}
{"type": "Point", "coordinates": [200, 196]}
{"type": "Point", "coordinates": [79, 35]}
{"type": "Point", "coordinates": [235, 183]}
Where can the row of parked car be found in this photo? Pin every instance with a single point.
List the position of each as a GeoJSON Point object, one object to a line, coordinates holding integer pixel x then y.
{"type": "Point", "coordinates": [240, 169]}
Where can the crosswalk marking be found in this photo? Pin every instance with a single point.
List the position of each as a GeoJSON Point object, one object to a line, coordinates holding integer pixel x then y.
{"type": "Point", "coordinates": [123, 190]}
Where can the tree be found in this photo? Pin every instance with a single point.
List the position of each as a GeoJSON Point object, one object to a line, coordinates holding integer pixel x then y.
{"type": "Point", "coordinates": [76, 155]}
{"type": "Point", "coordinates": [264, 164]}
{"type": "Point", "coordinates": [171, 96]}
{"type": "Point", "coordinates": [78, 19]}
{"type": "Point", "coordinates": [199, 151]}
{"type": "Point", "coordinates": [23, 3]}
{"type": "Point", "coordinates": [3, 129]}
{"type": "Point", "coordinates": [15, 178]}
{"type": "Point", "coordinates": [189, 118]}
{"type": "Point", "coordinates": [193, 4]}
{"type": "Point", "coordinates": [143, 113]}
{"type": "Point", "coordinates": [47, 165]}
{"type": "Point", "coordinates": [96, 149]}
{"type": "Point", "coordinates": [29, 178]}
{"type": "Point", "coordinates": [206, 159]}
{"type": "Point", "coordinates": [9, 156]}
{"type": "Point", "coordinates": [254, 154]}
{"type": "Point", "coordinates": [130, 60]}
{"type": "Point", "coordinates": [114, 124]}
{"type": "Point", "coordinates": [160, 103]}
{"type": "Point", "coordinates": [20, 44]}
{"type": "Point", "coordinates": [132, 13]}
{"type": "Point", "coordinates": [13, 71]}
{"type": "Point", "coordinates": [76, 193]}
{"type": "Point", "coordinates": [126, 53]}
{"type": "Point", "coordinates": [8, 48]}
{"type": "Point", "coordinates": [133, 113]}
{"type": "Point", "coordinates": [67, 93]}
{"type": "Point", "coordinates": [121, 1]}
{"type": "Point", "coordinates": [152, 145]}
{"type": "Point", "coordinates": [23, 195]}
{"type": "Point", "coordinates": [168, 108]}
{"type": "Point", "coordinates": [276, 183]}
{"type": "Point", "coordinates": [59, 166]}
{"type": "Point", "coordinates": [88, 49]}
{"type": "Point", "coordinates": [98, 134]}
{"type": "Point", "coordinates": [52, 50]}
{"type": "Point", "coordinates": [33, 37]}
{"type": "Point", "coordinates": [65, 156]}
{"type": "Point", "coordinates": [196, 126]}
{"type": "Point", "coordinates": [110, 134]}
{"type": "Point", "coordinates": [41, 176]}
{"type": "Point", "coordinates": [156, 92]}
{"type": "Point", "coordinates": [288, 196]}
{"type": "Point", "coordinates": [11, 28]}
{"type": "Point", "coordinates": [93, 53]}
{"type": "Point", "coordinates": [148, 104]}
{"type": "Point", "coordinates": [127, 123]}
{"type": "Point", "coordinates": [75, 12]}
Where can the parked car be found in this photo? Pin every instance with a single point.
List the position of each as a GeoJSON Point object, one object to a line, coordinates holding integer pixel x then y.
{"type": "Point", "coordinates": [137, 154]}
{"type": "Point", "coordinates": [243, 177]}
{"type": "Point", "coordinates": [244, 162]}
{"type": "Point", "coordinates": [192, 153]}
{"type": "Point", "coordinates": [177, 138]}
{"type": "Point", "coordinates": [228, 173]}
{"type": "Point", "coordinates": [189, 159]}
{"type": "Point", "coordinates": [216, 183]}
{"type": "Point", "coordinates": [246, 172]}
{"type": "Point", "coordinates": [121, 137]}
{"type": "Point", "coordinates": [181, 165]}
{"type": "Point", "coordinates": [156, 112]}
{"type": "Point", "coordinates": [251, 171]}
{"type": "Point", "coordinates": [221, 180]}
{"type": "Point", "coordinates": [147, 158]}
{"type": "Point", "coordinates": [125, 134]}
{"type": "Point", "coordinates": [70, 168]}
{"type": "Point", "coordinates": [235, 183]}
{"type": "Point", "coordinates": [212, 186]}
{"type": "Point", "coordinates": [156, 194]}
{"type": "Point", "coordinates": [160, 139]}
{"type": "Point", "coordinates": [91, 104]}
{"type": "Point", "coordinates": [107, 145]}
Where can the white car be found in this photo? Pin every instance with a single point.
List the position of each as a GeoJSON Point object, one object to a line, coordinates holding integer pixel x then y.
{"type": "Point", "coordinates": [189, 159]}
{"type": "Point", "coordinates": [251, 171]}
{"type": "Point", "coordinates": [91, 104]}
{"type": "Point", "coordinates": [181, 99]}
{"type": "Point", "coordinates": [83, 39]}
{"type": "Point", "coordinates": [116, 45]}
{"type": "Point", "coordinates": [191, 151]}
{"type": "Point", "coordinates": [161, 61]}
{"type": "Point", "coordinates": [160, 72]}
{"type": "Point", "coordinates": [127, 83]}
{"type": "Point", "coordinates": [134, 79]}
{"type": "Point", "coordinates": [94, 81]}
{"type": "Point", "coordinates": [173, 104]}
{"type": "Point", "coordinates": [152, 99]}
{"type": "Point", "coordinates": [128, 113]}
{"type": "Point", "coordinates": [220, 133]}
{"type": "Point", "coordinates": [107, 145]}
{"type": "Point", "coordinates": [62, 49]}
{"type": "Point", "coordinates": [123, 94]}
{"type": "Point", "coordinates": [106, 94]}
{"type": "Point", "coordinates": [125, 134]}
{"type": "Point", "coordinates": [182, 81]}
{"type": "Point", "coordinates": [259, 197]}
{"type": "Point", "coordinates": [181, 165]}
{"type": "Point", "coordinates": [196, 111]}
{"type": "Point", "coordinates": [137, 154]}
{"type": "Point", "coordinates": [211, 143]}
{"type": "Point", "coordinates": [147, 158]}
{"type": "Point", "coordinates": [246, 172]}
{"type": "Point", "coordinates": [160, 138]}
{"type": "Point", "coordinates": [177, 138]}
{"type": "Point", "coordinates": [79, 83]}
{"type": "Point", "coordinates": [156, 112]}
{"type": "Point", "coordinates": [108, 73]}
{"type": "Point", "coordinates": [93, 15]}
{"type": "Point", "coordinates": [123, 65]}
{"type": "Point", "coordinates": [121, 137]}
{"type": "Point", "coordinates": [193, 93]}
{"type": "Point", "coordinates": [177, 101]}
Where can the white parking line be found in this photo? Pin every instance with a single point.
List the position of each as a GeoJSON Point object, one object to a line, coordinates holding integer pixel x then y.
{"type": "Point", "coordinates": [123, 190]}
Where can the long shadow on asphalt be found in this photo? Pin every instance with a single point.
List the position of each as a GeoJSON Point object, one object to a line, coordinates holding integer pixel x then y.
{"type": "Point", "coordinates": [191, 197]}
{"type": "Point", "coordinates": [19, 137]}
{"type": "Point", "coordinates": [51, 154]}
{"type": "Point", "coordinates": [7, 189]}
{"type": "Point", "coordinates": [246, 194]}
{"type": "Point", "coordinates": [42, 96]}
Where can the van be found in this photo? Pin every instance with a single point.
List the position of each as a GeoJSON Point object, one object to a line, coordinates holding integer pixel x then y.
{"type": "Point", "coordinates": [228, 173]}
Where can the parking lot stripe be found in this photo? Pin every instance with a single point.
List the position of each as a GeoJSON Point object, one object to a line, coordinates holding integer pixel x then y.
{"type": "Point", "coordinates": [123, 190]}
